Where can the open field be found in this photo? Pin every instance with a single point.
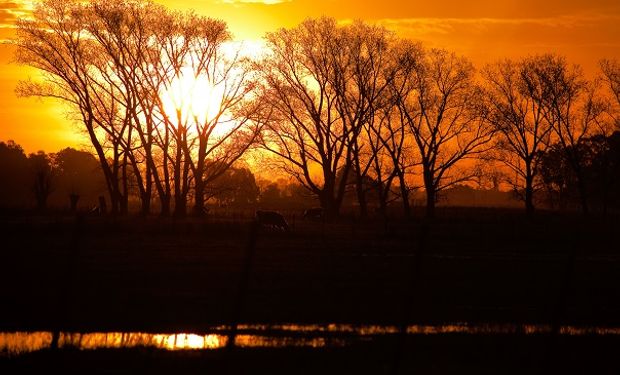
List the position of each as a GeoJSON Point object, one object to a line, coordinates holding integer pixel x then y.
{"type": "Point", "coordinates": [468, 266]}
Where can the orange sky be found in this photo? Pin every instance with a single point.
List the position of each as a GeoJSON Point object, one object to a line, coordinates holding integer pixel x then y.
{"type": "Point", "coordinates": [484, 30]}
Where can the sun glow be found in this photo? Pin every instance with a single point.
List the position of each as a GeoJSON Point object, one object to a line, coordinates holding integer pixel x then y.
{"type": "Point", "coordinates": [189, 341]}
{"type": "Point", "coordinates": [192, 99]}
{"type": "Point", "coordinates": [195, 100]}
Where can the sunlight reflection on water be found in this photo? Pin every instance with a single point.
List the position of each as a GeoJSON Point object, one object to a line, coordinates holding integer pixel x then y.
{"type": "Point", "coordinates": [316, 336]}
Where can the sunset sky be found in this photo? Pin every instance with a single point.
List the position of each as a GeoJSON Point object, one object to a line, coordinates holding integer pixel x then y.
{"type": "Point", "coordinates": [483, 30]}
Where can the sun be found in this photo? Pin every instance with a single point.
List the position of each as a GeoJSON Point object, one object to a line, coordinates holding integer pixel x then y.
{"type": "Point", "coordinates": [191, 99]}
{"type": "Point", "coordinates": [196, 101]}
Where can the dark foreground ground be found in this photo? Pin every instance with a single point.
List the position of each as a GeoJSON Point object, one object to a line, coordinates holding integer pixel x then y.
{"type": "Point", "coordinates": [469, 266]}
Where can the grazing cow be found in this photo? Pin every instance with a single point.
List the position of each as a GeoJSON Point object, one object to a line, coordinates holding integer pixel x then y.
{"type": "Point", "coordinates": [316, 213]}
{"type": "Point", "coordinates": [271, 219]}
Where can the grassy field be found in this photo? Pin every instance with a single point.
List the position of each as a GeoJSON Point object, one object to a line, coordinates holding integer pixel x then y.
{"type": "Point", "coordinates": [471, 266]}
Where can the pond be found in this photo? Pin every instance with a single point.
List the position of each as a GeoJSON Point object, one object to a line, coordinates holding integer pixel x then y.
{"type": "Point", "coordinates": [273, 335]}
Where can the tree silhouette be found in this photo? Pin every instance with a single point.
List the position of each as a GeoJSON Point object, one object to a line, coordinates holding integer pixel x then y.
{"type": "Point", "coordinates": [306, 132]}
{"type": "Point", "coordinates": [14, 176]}
{"type": "Point", "coordinates": [572, 106]}
{"type": "Point", "coordinates": [56, 42]}
{"type": "Point", "coordinates": [390, 126]}
{"type": "Point", "coordinates": [43, 175]}
{"type": "Point", "coordinates": [611, 76]}
{"type": "Point", "coordinates": [600, 163]}
{"type": "Point", "coordinates": [361, 79]}
{"type": "Point", "coordinates": [235, 187]}
{"type": "Point", "coordinates": [112, 63]}
{"type": "Point", "coordinates": [439, 103]}
{"type": "Point", "coordinates": [519, 119]}
{"type": "Point", "coordinates": [78, 172]}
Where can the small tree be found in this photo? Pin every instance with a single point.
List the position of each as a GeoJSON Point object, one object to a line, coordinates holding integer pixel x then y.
{"type": "Point", "coordinates": [42, 172]}
{"type": "Point", "coordinates": [14, 175]}
{"type": "Point", "coordinates": [235, 187]}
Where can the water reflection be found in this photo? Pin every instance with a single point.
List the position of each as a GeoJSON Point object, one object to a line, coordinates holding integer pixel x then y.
{"type": "Point", "coordinates": [277, 335]}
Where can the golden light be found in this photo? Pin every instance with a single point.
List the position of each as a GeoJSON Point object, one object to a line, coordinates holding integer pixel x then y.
{"type": "Point", "coordinates": [191, 98]}
{"type": "Point", "coordinates": [190, 341]}
{"type": "Point", "coordinates": [194, 100]}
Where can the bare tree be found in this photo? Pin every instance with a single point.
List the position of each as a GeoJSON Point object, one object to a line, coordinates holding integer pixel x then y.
{"type": "Point", "coordinates": [54, 42]}
{"type": "Point", "coordinates": [305, 131]}
{"type": "Point", "coordinates": [229, 130]}
{"type": "Point", "coordinates": [441, 106]}
{"type": "Point", "coordinates": [611, 76]}
{"type": "Point", "coordinates": [360, 79]}
{"type": "Point", "coordinates": [112, 62]}
{"type": "Point", "coordinates": [390, 125]}
{"type": "Point", "coordinates": [572, 106]}
{"type": "Point", "coordinates": [125, 31]}
{"type": "Point", "coordinates": [200, 138]}
{"type": "Point", "coordinates": [392, 161]}
{"type": "Point", "coordinates": [519, 119]}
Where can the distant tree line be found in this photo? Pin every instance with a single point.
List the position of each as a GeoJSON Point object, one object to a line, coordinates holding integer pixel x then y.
{"type": "Point", "coordinates": [340, 108]}
{"type": "Point", "coordinates": [48, 179]}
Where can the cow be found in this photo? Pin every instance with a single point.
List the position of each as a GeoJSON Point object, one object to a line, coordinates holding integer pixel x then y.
{"type": "Point", "coordinates": [271, 219]}
{"type": "Point", "coordinates": [316, 213]}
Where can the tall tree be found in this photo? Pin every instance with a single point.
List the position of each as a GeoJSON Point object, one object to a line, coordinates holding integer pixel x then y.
{"type": "Point", "coordinates": [115, 63]}
{"type": "Point", "coordinates": [522, 129]}
{"type": "Point", "coordinates": [390, 124]}
{"type": "Point", "coordinates": [360, 80]}
{"type": "Point", "coordinates": [231, 125]}
{"type": "Point", "coordinates": [305, 131]}
{"type": "Point", "coordinates": [440, 104]}
{"type": "Point", "coordinates": [572, 106]}
{"type": "Point", "coordinates": [55, 42]}
{"type": "Point", "coordinates": [611, 76]}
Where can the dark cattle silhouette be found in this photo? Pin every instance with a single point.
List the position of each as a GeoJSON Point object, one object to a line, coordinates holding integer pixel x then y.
{"type": "Point", "coordinates": [271, 219]}
{"type": "Point", "coordinates": [316, 213]}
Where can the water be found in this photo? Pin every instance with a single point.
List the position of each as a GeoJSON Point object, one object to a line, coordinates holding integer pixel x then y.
{"type": "Point", "coordinates": [277, 335]}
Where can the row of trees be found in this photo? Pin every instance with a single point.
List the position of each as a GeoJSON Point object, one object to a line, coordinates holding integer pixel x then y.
{"type": "Point", "coordinates": [117, 65]}
{"type": "Point", "coordinates": [69, 176]}
{"type": "Point", "coordinates": [331, 105]}
{"type": "Point", "coordinates": [72, 177]}
{"type": "Point", "coordinates": [558, 185]}
{"type": "Point", "coordinates": [48, 178]}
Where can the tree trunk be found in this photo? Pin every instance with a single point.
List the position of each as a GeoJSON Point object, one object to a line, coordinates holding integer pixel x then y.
{"type": "Point", "coordinates": [361, 196]}
{"type": "Point", "coordinates": [199, 199]}
{"type": "Point", "coordinates": [124, 197]}
{"type": "Point", "coordinates": [404, 192]}
{"type": "Point", "coordinates": [329, 205]}
{"type": "Point", "coordinates": [148, 192]}
{"type": "Point", "coordinates": [164, 201]}
{"type": "Point", "coordinates": [431, 193]}
{"type": "Point", "coordinates": [382, 194]}
{"type": "Point", "coordinates": [430, 203]}
{"type": "Point", "coordinates": [180, 205]}
{"type": "Point", "coordinates": [145, 204]}
{"type": "Point", "coordinates": [583, 193]}
{"type": "Point", "coordinates": [529, 191]}
{"type": "Point", "coordinates": [124, 205]}
{"type": "Point", "coordinates": [114, 200]}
